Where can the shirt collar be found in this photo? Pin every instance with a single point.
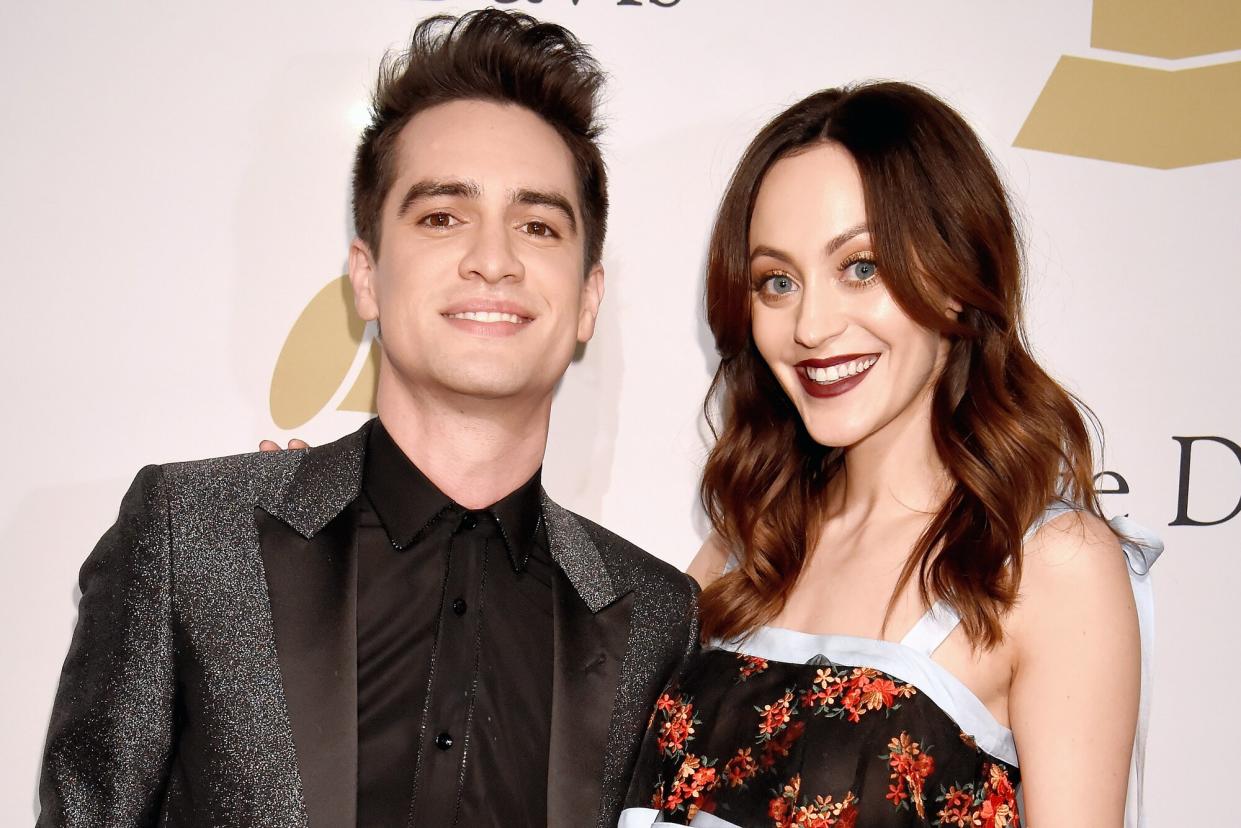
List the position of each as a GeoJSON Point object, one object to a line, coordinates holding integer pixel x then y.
{"type": "Point", "coordinates": [409, 504]}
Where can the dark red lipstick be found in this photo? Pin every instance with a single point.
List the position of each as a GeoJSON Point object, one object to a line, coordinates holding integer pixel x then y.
{"type": "Point", "coordinates": [833, 389]}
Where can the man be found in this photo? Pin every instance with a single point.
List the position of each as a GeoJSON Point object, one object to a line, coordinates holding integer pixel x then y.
{"type": "Point", "coordinates": [398, 628]}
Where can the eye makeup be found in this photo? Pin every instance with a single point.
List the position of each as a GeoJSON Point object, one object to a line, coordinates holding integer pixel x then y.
{"type": "Point", "coordinates": [862, 263]}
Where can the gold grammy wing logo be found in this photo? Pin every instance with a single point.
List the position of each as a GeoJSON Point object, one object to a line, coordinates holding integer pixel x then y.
{"type": "Point", "coordinates": [1158, 118]}
{"type": "Point", "coordinates": [317, 357]}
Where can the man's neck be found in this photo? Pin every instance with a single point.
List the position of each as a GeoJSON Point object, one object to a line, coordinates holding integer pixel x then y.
{"type": "Point", "coordinates": [474, 451]}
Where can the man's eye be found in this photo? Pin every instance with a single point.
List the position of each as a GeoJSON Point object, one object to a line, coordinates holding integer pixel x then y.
{"type": "Point", "coordinates": [538, 228]}
{"type": "Point", "coordinates": [439, 220]}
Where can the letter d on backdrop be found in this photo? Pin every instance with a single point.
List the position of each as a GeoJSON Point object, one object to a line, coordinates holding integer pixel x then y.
{"type": "Point", "coordinates": [1182, 498]}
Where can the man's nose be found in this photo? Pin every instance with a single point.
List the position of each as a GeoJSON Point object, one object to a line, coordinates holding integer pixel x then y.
{"type": "Point", "coordinates": [491, 255]}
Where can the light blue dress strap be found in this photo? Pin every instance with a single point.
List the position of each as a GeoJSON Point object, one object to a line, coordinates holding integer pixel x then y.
{"type": "Point", "coordinates": [932, 629]}
{"type": "Point", "coordinates": [1142, 548]}
{"type": "Point", "coordinates": [1053, 511]}
{"type": "Point", "coordinates": [649, 818]}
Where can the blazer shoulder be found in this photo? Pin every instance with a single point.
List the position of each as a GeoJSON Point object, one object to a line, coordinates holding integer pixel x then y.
{"type": "Point", "coordinates": [255, 475]}
{"type": "Point", "coordinates": [636, 565]}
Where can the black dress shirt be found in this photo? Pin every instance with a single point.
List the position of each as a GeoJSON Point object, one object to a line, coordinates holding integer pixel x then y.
{"type": "Point", "coordinates": [454, 652]}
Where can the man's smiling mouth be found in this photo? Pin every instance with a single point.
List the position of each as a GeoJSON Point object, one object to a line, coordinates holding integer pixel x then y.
{"type": "Point", "coordinates": [488, 316]}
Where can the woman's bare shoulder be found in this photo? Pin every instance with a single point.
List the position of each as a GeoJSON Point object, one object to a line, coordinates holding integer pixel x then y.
{"type": "Point", "coordinates": [1073, 569]}
{"type": "Point", "coordinates": [1075, 547]}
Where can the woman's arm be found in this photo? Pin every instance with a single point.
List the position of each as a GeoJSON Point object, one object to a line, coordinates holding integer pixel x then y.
{"type": "Point", "coordinates": [710, 561]}
{"type": "Point", "coordinates": [1074, 697]}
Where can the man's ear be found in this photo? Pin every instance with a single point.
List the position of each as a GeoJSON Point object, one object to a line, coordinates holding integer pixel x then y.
{"type": "Point", "coordinates": [362, 278]}
{"type": "Point", "coordinates": [592, 296]}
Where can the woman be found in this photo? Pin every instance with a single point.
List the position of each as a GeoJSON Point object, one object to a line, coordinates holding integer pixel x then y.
{"type": "Point", "coordinates": [910, 600]}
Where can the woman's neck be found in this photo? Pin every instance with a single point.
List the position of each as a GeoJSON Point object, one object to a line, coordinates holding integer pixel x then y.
{"type": "Point", "coordinates": [894, 472]}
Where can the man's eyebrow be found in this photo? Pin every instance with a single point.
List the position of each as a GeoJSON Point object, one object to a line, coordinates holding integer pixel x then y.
{"type": "Point", "coordinates": [429, 188]}
{"type": "Point", "coordinates": [545, 198]}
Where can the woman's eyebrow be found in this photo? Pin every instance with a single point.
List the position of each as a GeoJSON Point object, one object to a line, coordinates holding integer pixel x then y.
{"type": "Point", "coordinates": [771, 252]}
{"type": "Point", "coordinates": [841, 238]}
{"type": "Point", "coordinates": [837, 241]}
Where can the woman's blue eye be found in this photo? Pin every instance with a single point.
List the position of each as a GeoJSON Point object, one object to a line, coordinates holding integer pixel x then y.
{"type": "Point", "coordinates": [781, 284]}
{"type": "Point", "coordinates": [864, 270]}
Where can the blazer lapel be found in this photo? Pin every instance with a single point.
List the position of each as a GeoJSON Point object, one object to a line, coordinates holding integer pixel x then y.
{"type": "Point", "coordinates": [307, 542]}
{"type": "Point", "coordinates": [592, 622]}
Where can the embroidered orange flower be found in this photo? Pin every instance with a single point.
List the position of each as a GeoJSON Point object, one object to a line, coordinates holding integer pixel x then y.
{"type": "Point", "coordinates": [880, 692]}
{"type": "Point", "coordinates": [751, 665]}
{"type": "Point", "coordinates": [676, 729]}
{"type": "Point", "coordinates": [853, 692]}
{"type": "Point", "coordinates": [741, 768]}
{"type": "Point", "coordinates": [958, 809]}
{"type": "Point", "coordinates": [910, 766]}
{"type": "Point", "coordinates": [992, 804]}
{"type": "Point", "coordinates": [695, 777]}
{"type": "Point", "coordinates": [775, 717]}
{"type": "Point", "coordinates": [999, 809]}
{"type": "Point", "coordinates": [778, 809]}
{"type": "Point", "coordinates": [996, 813]}
{"type": "Point", "coordinates": [786, 810]}
{"type": "Point", "coordinates": [997, 780]}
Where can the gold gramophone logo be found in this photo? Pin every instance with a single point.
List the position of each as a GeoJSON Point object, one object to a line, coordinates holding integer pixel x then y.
{"type": "Point", "coordinates": [329, 343]}
{"type": "Point", "coordinates": [1159, 118]}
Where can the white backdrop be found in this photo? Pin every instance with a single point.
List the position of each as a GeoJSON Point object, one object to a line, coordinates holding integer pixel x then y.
{"type": "Point", "coordinates": [175, 192]}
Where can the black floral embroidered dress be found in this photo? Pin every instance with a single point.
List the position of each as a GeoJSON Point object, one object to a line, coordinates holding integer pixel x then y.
{"type": "Point", "coordinates": [786, 729]}
{"type": "Point", "coordinates": [791, 730]}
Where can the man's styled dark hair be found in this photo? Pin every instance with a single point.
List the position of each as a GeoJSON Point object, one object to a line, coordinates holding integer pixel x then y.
{"type": "Point", "coordinates": [487, 55]}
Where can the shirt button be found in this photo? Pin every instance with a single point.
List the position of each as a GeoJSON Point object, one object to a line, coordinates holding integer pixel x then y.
{"type": "Point", "coordinates": [443, 741]}
{"type": "Point", "coordinates": [469, 521]}
{"type": "Point", "coordinates": [458, 606]}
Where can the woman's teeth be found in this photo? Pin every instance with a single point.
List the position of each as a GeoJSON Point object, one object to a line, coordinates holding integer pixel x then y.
{"type": "Point", "coordinates": [836, 373]}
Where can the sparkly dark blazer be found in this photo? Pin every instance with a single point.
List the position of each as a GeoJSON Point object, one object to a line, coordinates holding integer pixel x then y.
{"type": "Point", "coordinates": [212, 677]}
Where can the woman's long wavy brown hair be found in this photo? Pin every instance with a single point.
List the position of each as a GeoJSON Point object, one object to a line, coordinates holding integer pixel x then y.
{"type": "Point", "coordinates": [1011, 438]}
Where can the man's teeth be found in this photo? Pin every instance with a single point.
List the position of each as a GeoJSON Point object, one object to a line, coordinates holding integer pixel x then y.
{"type": "Point", "coordinates": [836, 373]}
{"type": "Point", "coordinates": [487, 316]}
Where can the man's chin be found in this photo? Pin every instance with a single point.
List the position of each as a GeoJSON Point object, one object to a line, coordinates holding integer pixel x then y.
{"type": "Point", "coordinates": [490, 386]}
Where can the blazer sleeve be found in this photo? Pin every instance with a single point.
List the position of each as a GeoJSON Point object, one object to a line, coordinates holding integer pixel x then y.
{"type": "Point", "coordinates": [693, 643]}
{"type": "Point", "coordinates": [111, 734]}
